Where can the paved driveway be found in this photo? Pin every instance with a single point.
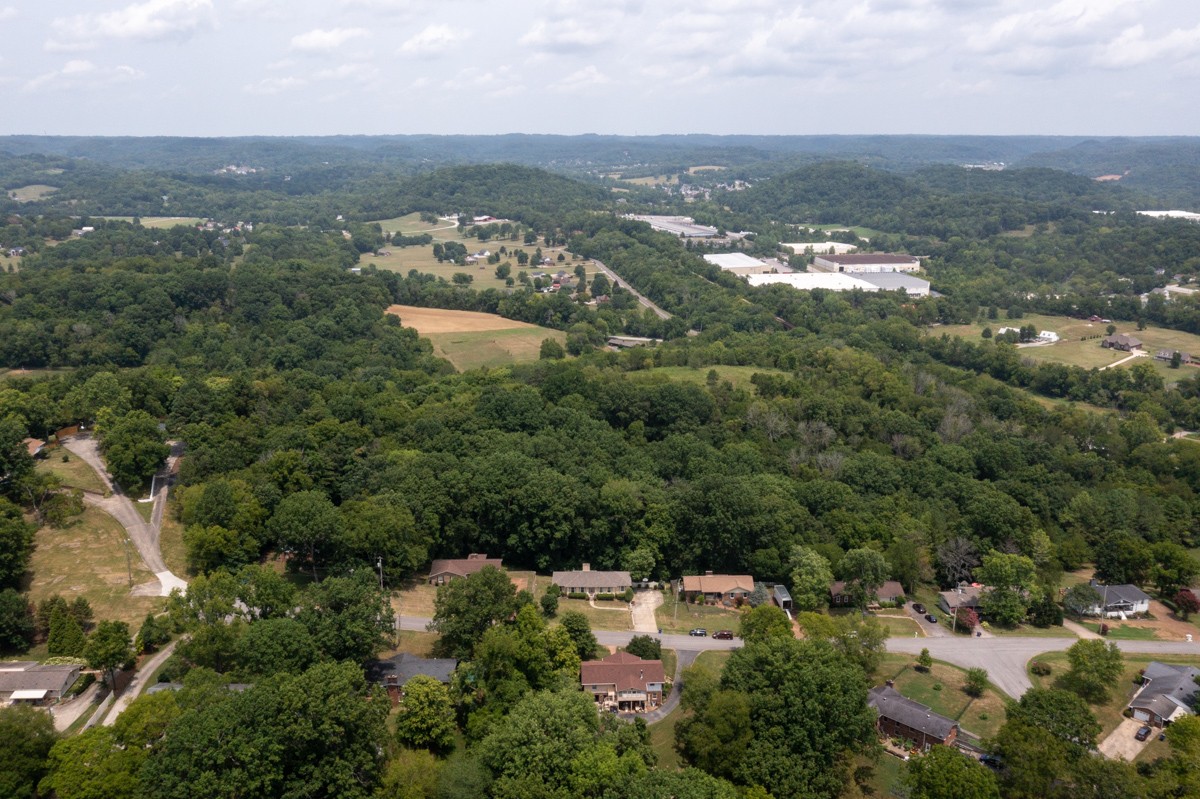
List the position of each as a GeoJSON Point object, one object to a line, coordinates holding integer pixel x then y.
{"type": "Point", "coordinates": [1120, 744]}
{"type": "Point", "coordinates": [643, 606]}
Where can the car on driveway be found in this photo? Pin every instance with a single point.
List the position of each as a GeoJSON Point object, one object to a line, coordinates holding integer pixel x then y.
{"type": "Point", "coordinates": [929, 617]}
{"type": "Point", "coordinates": [698, 632]}
{"type": "Point", "coordinates": [724, 635]}
{"type": "Point", "coordinates": [918, 608]}
{"type": "Point", "coordinates": [1143, 734]}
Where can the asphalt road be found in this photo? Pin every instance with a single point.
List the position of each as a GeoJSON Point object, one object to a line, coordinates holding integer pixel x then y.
{"type": "Point", "coordinates": [1004, 657]}
{"type": "Point", "coordinates": [617, 281]}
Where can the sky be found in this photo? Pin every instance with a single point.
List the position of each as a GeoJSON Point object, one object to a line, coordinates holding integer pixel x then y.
{"type": "Point", "coordinates": [318, 67]}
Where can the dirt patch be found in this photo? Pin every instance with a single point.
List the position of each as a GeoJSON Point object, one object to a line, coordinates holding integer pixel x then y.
{"type": "Point", "coordinates": [439, 320]}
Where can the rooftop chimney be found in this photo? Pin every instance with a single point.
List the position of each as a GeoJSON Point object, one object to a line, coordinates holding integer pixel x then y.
{"type": "Point", "coordinates": [708, 573]}
{"type": "Point", "coordinates": [587, 567]}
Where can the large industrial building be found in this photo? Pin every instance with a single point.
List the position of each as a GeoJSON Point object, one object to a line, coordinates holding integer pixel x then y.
{"type": "Point", "coordinates": [738, 263]}
{"type": "Point", "coordinates": [858, 263]}
{"type": "Point", "coordinates": [683, 226]}
{"type": "Point", "coordinates": [839, 281]}
{"type": "Point", "coordinates": [821, 247]}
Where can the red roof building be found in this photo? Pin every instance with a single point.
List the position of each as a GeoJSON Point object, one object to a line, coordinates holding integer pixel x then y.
{"type": "Point", "coordinates": [624, 682]}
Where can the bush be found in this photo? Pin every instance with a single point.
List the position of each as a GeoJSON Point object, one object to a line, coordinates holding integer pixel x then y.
{"type": "Point", "coordinates": [554, 591]}
{"type": "Point", "coordinates": [81, 684]}
{"type": "Point", "coordinates": [628, 595]}
{"type": "Point", "coordinates": [977, 680]}
{"type": "Point", "coordinates": [549, 605]}
{"type": "Point", "coordinates": [577, 595]}
{"type": "Point", "coordinates": [605, 597]}
{"type": "Point", "coordinates": [1040, 669]}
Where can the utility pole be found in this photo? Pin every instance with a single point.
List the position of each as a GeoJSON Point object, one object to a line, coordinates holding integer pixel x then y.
{"type": "Point", "coordinates": [380, 564]}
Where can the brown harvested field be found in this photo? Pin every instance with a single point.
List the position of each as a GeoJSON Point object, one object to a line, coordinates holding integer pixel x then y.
{"type": "Point", "coordinates": [439, 320]}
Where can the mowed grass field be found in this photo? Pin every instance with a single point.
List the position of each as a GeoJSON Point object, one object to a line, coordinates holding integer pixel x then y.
{"type": "Point", "coordinates": [403, 259]}
{"type": "Point", "coordinates": [470, 340]}
{"type": "Point", "coordinates": [88, 558]}
{"type": "Point", "coordinates": [1087, 354]}
{"type": "Point", "coordinates": [36, 191]}
{"type": "Point", "coordinates": [73, 471]}
{"type": "Point", "coordinates": [161, 221]}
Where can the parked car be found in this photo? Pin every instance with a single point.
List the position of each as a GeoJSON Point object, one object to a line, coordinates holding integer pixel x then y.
{"type": "Point", "coordinates": [724, 635]}
{"type": "Point", "coordinates": [699, 632]}
{"type": "Point", "coordinates": [929, 617]}
{"type": "Point", "coordinates": [991, 761]}
{"type": "Point", "coordinates": [918, 607]}
{"type": "Point", "coordinates": [1143, 733]}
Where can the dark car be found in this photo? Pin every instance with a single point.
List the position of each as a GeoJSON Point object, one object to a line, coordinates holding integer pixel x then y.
{"type": "Point", "coordinates": [699, 632]}
{"type": "Point", "coordinates": [929, 617]}
{"type": "Point", "coordinates": [1143, 733]}
{"type": "Point", "coordinates": [724, 635]}
{"type": "Point", "coordinates": [918, 607]}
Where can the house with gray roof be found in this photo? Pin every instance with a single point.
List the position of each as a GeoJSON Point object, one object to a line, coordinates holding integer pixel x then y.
{"type": "Point", "coordinates": [901, 717]}
{"type": "Point", "coordinates": [1119, 601]}
{"type": "Point", "coordinates": [401, 668]}
{"type": "Point", "coordinates": [1168, 693]}
{"type": "Point", "coordinates": [586, 581]}
{"type": "Point", "coordinates": [31, 683]}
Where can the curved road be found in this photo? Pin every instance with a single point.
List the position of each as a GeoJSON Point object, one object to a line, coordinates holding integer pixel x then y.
{"type": "Point", "coordinates": [1004, 657]}
{"type": "Point", "coordinates": [145, 536]}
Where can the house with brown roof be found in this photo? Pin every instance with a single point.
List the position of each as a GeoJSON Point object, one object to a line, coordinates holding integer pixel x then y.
{"type": "Point", "coordinates": [901, 717]}
{"type": "Point", "coordinates": [586, 581]}
{"type": "Point", "coordinates": [624, 682]}
{"type": "Point", "coordinates": [1121, 341]}
{"type": "Point", "coordinates": [718, 587]}
{"type": "Point", "coordinates": [890, 592]}
{"type": "Point", "coordinates": [444, 570]}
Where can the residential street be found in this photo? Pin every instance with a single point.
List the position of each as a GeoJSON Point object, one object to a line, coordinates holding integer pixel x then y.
{"type": "Point", "coordinates": [1004, 657]}
{"type": "Point", "coordinates": [617, 281]}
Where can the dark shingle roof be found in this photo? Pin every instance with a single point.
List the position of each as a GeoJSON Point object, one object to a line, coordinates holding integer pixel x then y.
{"type": "Point", "coordinates": [891, 704]}
{"type": "Point", "coordinates": [1167, 688]}
{"type": "Point", "coordinates": [405, 666]}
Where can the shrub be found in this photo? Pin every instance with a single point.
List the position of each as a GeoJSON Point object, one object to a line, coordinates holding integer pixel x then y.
{"type": "Point", "coordinates": [628, 595]}
{"type": "Point", "coordinates": [81, 684]}
{"type": "Point", "coordinates": [549, 604]}
{"type": "Point", "coordinates": [1040, 669]}
{"type": "Point", "coordinates": [605, 597]}
{"type": "Point", "coordinates": [937, 686]}
{"type": "Point", "coordinates": [577, 595]}
{"type": "Point", "coordinates": [977, 680]}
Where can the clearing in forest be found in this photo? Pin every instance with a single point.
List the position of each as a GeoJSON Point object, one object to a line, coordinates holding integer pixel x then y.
{"type": "Point", "coordinates": [470, 340]}
{"type": "Point", "coordinates": [27, 194]}
{"type": "Point", "coordinates": [440, 320]}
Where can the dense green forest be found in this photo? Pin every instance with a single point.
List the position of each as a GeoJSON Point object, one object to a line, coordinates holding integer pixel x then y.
{"type": "Point", "coordinates": [321, 432]}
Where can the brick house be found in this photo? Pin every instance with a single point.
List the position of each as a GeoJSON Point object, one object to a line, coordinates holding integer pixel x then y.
{"type": "Point", "coordinates": [624, 682]}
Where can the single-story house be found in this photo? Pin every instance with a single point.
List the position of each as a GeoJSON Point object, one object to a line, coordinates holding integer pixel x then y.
{"type": "Point", "coordinates": [586, 581]}
{"type": "Point", "coordinates": [965, 596]}
{"type": "Point", "coordinates": [444, 570]}
{"type": "Point", "coordinates": [1119, 600]}
{"type": "Point", "coordinates": [624, 682]}
{"type": "Point", "coordinates": [781, 597]}
{"type": "Point", "coordinates": [718, 587]}
{"type": "Point", "coordinates": [1121, 341]}
{"type": "Point", "coordinates": [395, 671]}
{"type": "Point", "coordinates": [901, 717]}
{"type": "Point", "coordinates": [1167, 355]}
{"type": "Point", "coordinates": [1168, 692]}
{"type": "Point", "coordinates": [34, 446]}
{"type": "Point", "coordinates": [891, 591]}
{"type": "Point", "coordinates": [26, 681]}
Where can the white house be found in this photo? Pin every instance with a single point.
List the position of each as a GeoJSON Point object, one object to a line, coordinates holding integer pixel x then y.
{"type": "Point", "coordinates": [1119, 601]}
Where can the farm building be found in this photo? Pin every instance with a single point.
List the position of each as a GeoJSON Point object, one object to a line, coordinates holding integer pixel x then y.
{"type": "Point", "coordinates": [718, 587]}
{"type": "Point", "coordinates": [901, 717]}
{"type": "Point", "coordinates": [856, 263]}
{"type": "Point", "coordinates": [1121, 341]}
{"type": "Point", "coordinates": [821, 247]}
{"type": "Point", "coordinates": [1168, 692]}
{"type": "Point", "coordinates": [28, 682]}
{"type": "Point", "coordinates": [442, 571]}
{"type": "Point", "coordinates": [738, 263]}
{"type": "Point", "coordinates": [586, 581]}
{"type": "Point", "coordinates": [837, 281]}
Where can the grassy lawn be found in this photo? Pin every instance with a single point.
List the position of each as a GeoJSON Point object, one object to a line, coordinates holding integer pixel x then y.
{"type": "Point", "coordinates": [885, 775]}
{"type": "Point", "coordinates": [415, 599]}
{"type": "Point", "coordinates": [679, 617]}
{"type": "Point", "coordinates": [73, 472]}
{"type": "Point", "coordinates": [1029, 631]}
{"type": "Point", "coordinates": [36, 191]}
{"type": "Point", "coordinates": [1124, 632]}
{"type": "Point", "coordinates": [161, 221]}
{"type": "Point", "coordinates": [492, 348]}
{"type": "Point", "coordinates": [900, 626]}
{"type": "Point", "coordinates": [402, 259]}
{"type": "Point", "coordinates": [605, 616]}
{"type": "Point", "coordinates": [88, 558]}
{"type": "Point", "coordinates": [170, 540]}
{"type": "Point", "coordinates": [412, 642]}
{"type": "Point", "coordinates": [144, 509]}
{"type": "Point", "coordinates": [739, 376]}
{"type": "Point", "coordinates": [981, 716]}
{"type": "Point", "coordinates": [1087, 354]}
{"type": "Point", "coordinates": [669, 659]}
{"type": "Point", "coordinates": [1108, 713]}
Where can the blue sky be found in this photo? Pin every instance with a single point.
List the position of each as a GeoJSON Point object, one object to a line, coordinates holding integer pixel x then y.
{"type": "Point", "coordinates": [301, 67]}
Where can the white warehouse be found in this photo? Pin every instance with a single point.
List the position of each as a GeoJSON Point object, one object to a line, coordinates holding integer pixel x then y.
{"type": "Point", "coordinates": [738, 263]}
{"type": "Point", "coordinates": [857, 263]}
{"type": "Point", "coordinates": [839, 281]}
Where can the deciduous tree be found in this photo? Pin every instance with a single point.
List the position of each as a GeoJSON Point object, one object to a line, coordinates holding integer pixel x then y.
{"type": "Point", "coordinates": [811, 577]}
{"type": "Point", "coordinates": [763, 622]}
{"type": "Point", "coordinates": [465, 608]}
{"type": "Point", "coordinates": [425, 717]}
{"type": "Point", "coordinates": [944, 773]}
{"type": "Point", "coordinates": [1095, 668]}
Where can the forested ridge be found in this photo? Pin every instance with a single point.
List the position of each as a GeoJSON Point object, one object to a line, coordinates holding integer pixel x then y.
{"type": "Point", "coordinates": [322, 434]}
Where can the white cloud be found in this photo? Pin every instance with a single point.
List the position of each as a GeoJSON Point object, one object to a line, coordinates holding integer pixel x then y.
{"type": "Point", "coordinates": [274, 85]}
{"type": "Point", "coordinates": [152, 20]}
{"type": "Point", "coordinates": [357, 72]}
{"type": "Point", "coordinates": [321, 40]}
{"type": "Point", "coordinates": [585, 78]}
{"type": "Point", "coordinates": [567, 36]}
{"type": "Point", "coordinates": [7, 12]}
{"type": "Point", "coordinates": [434, 40]}
{"type": "Point", "coordinates": [1134, 48]}
{"type": "Point", "coordinates": [79, 73]}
